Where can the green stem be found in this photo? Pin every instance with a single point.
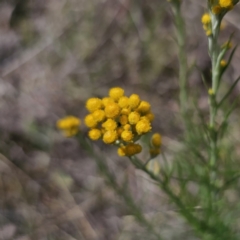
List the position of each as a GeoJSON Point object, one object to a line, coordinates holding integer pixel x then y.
{"type": "Point", "coordinates": [182, 59]}
{"type": "Point", "coordinates": [195, 222]}
{"type": "Point", "coordinates": [121, 191]}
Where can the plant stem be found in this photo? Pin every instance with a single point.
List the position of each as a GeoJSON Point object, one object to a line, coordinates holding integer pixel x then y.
{"type": "Point", "coordinates": [182, 59]}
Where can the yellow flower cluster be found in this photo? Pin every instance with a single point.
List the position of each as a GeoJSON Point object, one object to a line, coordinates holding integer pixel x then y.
{"type": "Point", "coordinates": [206, 21]}
{"type": "Point", "coordinates": [118, 119]}
{"type": "Point", "coordinates": [156, 142]}
{"type": "Point", "coordinates": [69, 125]}
{"type": "Point", "coordinates": [222, 5]}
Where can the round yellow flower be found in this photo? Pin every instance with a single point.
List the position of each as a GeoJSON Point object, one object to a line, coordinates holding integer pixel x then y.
{"type": "Point", "coordinates": [156, 140]}
{"type": "Point", "coordinates": [206, 19]}
{"type": "Point", "coordinates": [144, 107]}
{"type": "Point", "coordinates": [112, 110]}
{"type": "Point", "coordinates": [123, 102]}
{"type": "Point", "coordinates": [127, 136]}
{"type": "Point", "coordinates": [110, 124]}
{"type": "Point", "coordinates": [133, 117]}
{"type": "Point", "coordinates": [90, 121]}
{"type": "Point", "coordinates": [94, 134]}
{"type": "Point", "coordinates": [216, 9]}
{"type": "Point", "coordinates": [107, 100]}
{"type": "Point", "coordinates": [93, 104]}
{"type": "Point", "coordinates": [132, 149]}
{"type": "Point", "coordinates": [99, 115]}
{"type": "Point", "coordinates": [68, 122]}
{"type": "Point", "coordinates": [123, 119]}
{"type": "Point", "coordinates": [134, 101]}
{"type": "Point", "coordinates": [143, 126]}
{"type": "Point", "coordinates": [127, 127]}
{"type": "Point", "coordinates": [116, 93]}
{"type": "Point", "coordinates": [223, 63]}
{"type": "Point", "coordinates": [110, 137]}
{"type": "Point", "coordinates": [226, 3]}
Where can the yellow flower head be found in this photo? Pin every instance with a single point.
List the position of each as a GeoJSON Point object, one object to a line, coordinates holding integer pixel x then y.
{"type": "Point", "coordinates": [123, 119]}
{"type": "Point", "coordinates": [107, 100]}
{"type": "Point", "coordinates": [110, 124]}
{"type": "Point", "coordinates": [90, 121]}
{"type": "Point", "coordinates": [216, 9]}
{"type": "Point", "coordinates": [132, 149]}
{"type": "Point", "coordinates": [226, 3]}
{"type": "Point", "coordinates": [134, 101]}
{"type": "Point", "coordinates": [127, 136]}
{"type": "Point", "coordinates": [116, 93]}
{"type": "Point", "coordinates": [110, 137]}
{"type": "Point", "coordinates": [206, 19]}
{"type": "Point", "coordinates": [112, 110]}
{"type": "Point", "coordinates": [68, 122]}
{"type": "Point", "coordinates": [143, 126]}
{"type": "Point", "coordinates": [133, 117]}
{"type": "Point", "coordinates": [156, 140]}
{"type": "Point", "coordinates": [127, 127]}
{"type": "Point", "coordinates": [144, 107]}
{"type": "Point", "coordinates": [223, 63]}
{"type": "Point", "coordinates": [69, 125]}
{"type": "Point", "coordinates": [123, 102]}
{"type": "Point", "coordinates": [99, 115]}
{"type": "Point", "coordinates": [93, 104]}
{"type": "Point", "coordinates": [94, 134]}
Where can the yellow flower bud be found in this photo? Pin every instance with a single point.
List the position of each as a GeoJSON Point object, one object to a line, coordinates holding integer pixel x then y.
{"type": "Point", "coordinates": [94, 134]}
{"type": "Point", "coordinates": [156, 140]}
{"type": "Point", "coordinates": [226, 4]}
{"type": "Point", "coordinates": [112, 110]}
{"type": "Point", "coordinates": [144, 107]}
{"type": "Point", "coordinates": [127, 136]}
{"type": "Point", "coordinates": [127, 127]}
{"type": "Point", "coordinates": [99, 115]}
{"type": "Point", "coordinates": [123, 119]}
{"type": "Point", "coordinates": [216, 9]}
{"type": "Point", "coordinates": [90, 121]}
{"type": "Point", "coordinates": [206, 19]}
{"type": "Point", "coordinates": [123, 102]}
{"type": "Point", "coordinates": [107, 100]}
{"type": "Point", "coordinates": [116, 93]}
{"type": "Point", "coordinates": [134, 101]}
{"type": "Point", "coordinates": [223, 63]}
{"type": "Point", "coordinates": [133, 117]}
{"type": "Point", "coordinates": [93, 104]}
{"type": "Point", "coordinates": [110, 137]}
{"type": "Point", "coordinates": [143, 126]}
{"type": "Point", "coordinates": [110, 124]}
{"type": "Point", "coordinates": [132, 149]}
{"type": "Point", "coordinates": [69, 125]}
